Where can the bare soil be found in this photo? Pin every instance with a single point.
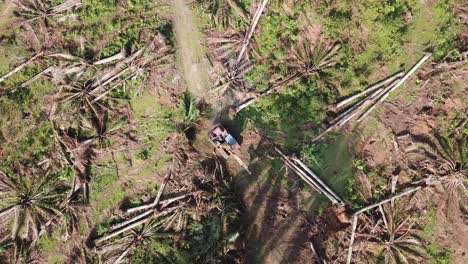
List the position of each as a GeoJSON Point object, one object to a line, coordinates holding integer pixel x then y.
{"type": "Point", "coordinates": [387, 143]}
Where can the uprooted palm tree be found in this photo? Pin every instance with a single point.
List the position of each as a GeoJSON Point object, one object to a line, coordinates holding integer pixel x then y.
{"type": "Point", "coordinates": [311, 54]}
{"type": "Point", "coordinates": [104, 126]}
{"type": "Point", "coordinates": [34, 9]}
{"type": "Point", "coordinates": [400, 240]}
{"type": "Point", "coordinates": [222, 11]}
{"type": "Point", "coordinates": [390, 236]}
{"type": "Point", "coordinates": [28, 203]}
{"type": "Point", "coordinates": [448, 162]}
{"type": "Point", "coordinates": [232, 78]}
{"type": "Point", "coordinates": [229, 74]}
{"type": "Point", "coordinates": [120, 249]}
{"type": "Point", "coordinates": [225, 46]}
{"type": "Point", "coordinates": [193, 193]}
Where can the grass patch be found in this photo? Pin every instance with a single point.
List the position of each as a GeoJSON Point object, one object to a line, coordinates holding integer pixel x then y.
{"type": "Point", "coordinates": [437, 254]}
{"type": "Point", "coordinates": [332, 162]}
{"type": "Point", "coordinates": [48, 243]}
{"type": "Point", "coordinates": [105, 193]}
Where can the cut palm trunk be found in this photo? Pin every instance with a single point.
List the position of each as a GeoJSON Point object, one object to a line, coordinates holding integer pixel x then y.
{"type": "Point", "coordinates": [370, 89]}
{"type": "Point", "coordinates": [142, 221]}
{"type": "Point", "coordinates": [67, 5]}
{"type": "Point", "coordinates": [351, 241]}
{"type": "Point", "coordinates": [317, 179]}
{"type": "Point", "coordinates": [300, 173]}
{"type": "Point", "coordinates": [348, 114]}
{"type": "Point", "coordinates": [21, 66]}
{"type": "Point", "coordinates": [384, 201]}
{"type": "Point", "coordinates": [124, 253]}
{"type": "Point", "coordinates": [398, 84]}
{"type": "Point", "coordinates": [288, 81]}
{"type": "Point", "coordinates": [309, 177]}
{"type": "Point", "coordinates": [156, 200]}
{"type": "Point", "coordinates": [110, 59]}
{"type": "Point", "coordinates": [150, 209]}
{"type": "Point", "coordinates": [253, 26]}
{"type": "Point", "coordinates": [37, 76]}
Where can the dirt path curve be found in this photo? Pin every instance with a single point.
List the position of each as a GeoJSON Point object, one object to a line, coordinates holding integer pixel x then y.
{"type": "Point", "coordinates": [190, 52]}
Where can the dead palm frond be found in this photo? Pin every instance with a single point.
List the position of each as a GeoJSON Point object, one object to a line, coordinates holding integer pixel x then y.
{"type": "Point", "coordinates": [448, 163]}
{"type": "Point", "coordinates": [118, 250]}
{"type": "Point", "coordinates": [78, 154]}
{"type": "Point", "coordinates": [28, 202]}
{"type": "Point", "coordinates": [104, 126]}
{"type": "Point", "coordinates": [311, 55]}
{"type": "Point", "coordinates": [225, 46]}
{"type": "Point", "coordinates": [400, 241]}
{"type": "Point", "coordinates": [390, 235]}
{"type": "Point", "coordinates": [222, 11]}
{"type": "Point", "coordinates": [36, 9]}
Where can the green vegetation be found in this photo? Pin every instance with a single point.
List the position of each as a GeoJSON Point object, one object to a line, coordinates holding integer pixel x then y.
{"type": "Point", "coordinates": [105, 193]}
{"type": "Point", "coordinates": [323, 157]}
{"type": "Point", "coordinates": [94, 126]}
{"type": "Point", "coordinates": [374, 35]}
{"type": "Point", "coordinates": [110, 26]}
{"type": "Point", "coordinates": [437, 253]}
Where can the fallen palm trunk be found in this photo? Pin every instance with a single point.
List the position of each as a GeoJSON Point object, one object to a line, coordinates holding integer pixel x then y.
{"type": "Point", "coordinates": [131, 220]}
{"type": "Point", "coordinates": [299, 172]}
{"type": "Point", "coordinates": [142, 221]}
{"type": "Point", "coordinates": [316, 178]}
{"type": "Point", "coordinates": [99, 86]}
{"type": "Point", "coordinates": [351, 241]}
{"type": "Point", "coordinates": [370, 89]}
{"type": "Point", "coordinates": [243, 165]}
{"type": "Point", "coordinates": [366, 102]}
{"type": "Point", "coordinates": [378, 96]}
{"type": "Point", "coordinates": [151, 208]}
{"type": "Point", "coordinates": [156, 200]}
{"type": "Point", "coordinates": [255, 20]}
{"type": "Point", "coordinates": [37, 76]}
{"type": "Point", "coordinates": [391, 198]}
{"type": "Point", "coordinates": [113, 87]}
{"type": "Point", "coordinates": [387, 93]}
{"type": "Point", "coordinates": [65, 57]}
{"type": "Point", "coordinates": [124, 253]}
{"type": "Point", "coordinates": [270, 90]}
{"type": "Point", "coordinates": [309, 177]}
{"type": "Point", "coordinates": [21, 66]}
{"type": "Point", "coordinates": [67, 5]}
{"type": "Point", "coordinates": [347, 115]}
{"type": "Point", "coordinates": [115, 57]}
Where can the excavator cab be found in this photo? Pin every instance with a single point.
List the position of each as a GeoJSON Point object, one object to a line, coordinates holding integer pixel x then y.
{"type": "Point", "coordinates": [224, 142]}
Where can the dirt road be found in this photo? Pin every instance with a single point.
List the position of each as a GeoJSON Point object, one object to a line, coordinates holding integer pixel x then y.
{"type": "Point", "coordinates": [6, 10]}
{"type": "Point", "coordinates": [190, 52]}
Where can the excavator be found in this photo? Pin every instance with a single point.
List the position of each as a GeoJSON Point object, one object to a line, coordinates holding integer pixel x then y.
{"type": "Point", "coordinates": [225, 144]}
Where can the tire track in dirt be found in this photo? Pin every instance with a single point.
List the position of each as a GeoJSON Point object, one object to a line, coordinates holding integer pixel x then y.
{"type": "Point", "coordinates": [190, 52]}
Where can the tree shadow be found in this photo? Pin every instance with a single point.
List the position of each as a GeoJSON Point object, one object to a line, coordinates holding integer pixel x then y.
{"type": "Point", "coordinates": [275, 218]}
